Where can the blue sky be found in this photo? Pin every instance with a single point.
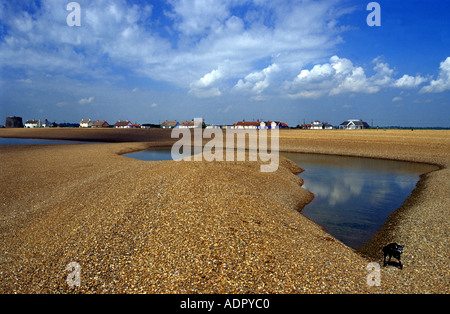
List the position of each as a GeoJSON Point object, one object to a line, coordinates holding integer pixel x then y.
{"type": "Point", "coordinates": [226, 60]}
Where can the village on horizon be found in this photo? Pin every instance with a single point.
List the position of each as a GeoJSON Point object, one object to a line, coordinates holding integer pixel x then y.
{"type": "Point", "coordinates": [17, 122]}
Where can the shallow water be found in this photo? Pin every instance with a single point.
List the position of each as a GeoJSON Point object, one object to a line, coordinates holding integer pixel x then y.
{"type": "Point", "coordinates": [32, 141]}
{"type": "Point", "coordinates": [154, 154]}
{"type": "Point", "coordinates": [352, 196]}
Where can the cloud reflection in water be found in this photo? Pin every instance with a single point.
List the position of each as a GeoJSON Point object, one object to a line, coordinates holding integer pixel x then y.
{"type": "Point", "coordinates": [354, 196]}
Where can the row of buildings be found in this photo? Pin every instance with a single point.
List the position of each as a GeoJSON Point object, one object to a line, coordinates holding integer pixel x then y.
{"type": "Point", "coordinates": [317, 125]}
{"type": "Point", "coordinates": [238, 125]}
{"type": "Point", "coordinates": [259, 125]}
{"type": "Point", "coordinates": [16, 122]}
{"type": "Point", "coordinates": [192, 124]}
{"type": "Point", "coordinates": [104, 124]}
{"type": "Point", "coordinates": [352, 124]}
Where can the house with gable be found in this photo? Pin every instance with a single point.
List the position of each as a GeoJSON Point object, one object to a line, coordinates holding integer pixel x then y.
{"type": "Point", "coordinates": [123, 125]}
{"type": "Point", "coordinates": [354, 124]}
{"type": "Point", "coordinates": [100, 124]}
{"type": "Point", "coordinates": [86, 123]}
{"type": "Point", "coordinates": [32, 124]}
{"type": "Point", "coordinates": [170, 124]}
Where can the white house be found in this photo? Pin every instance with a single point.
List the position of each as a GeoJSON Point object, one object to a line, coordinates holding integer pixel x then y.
{"type": "Point", "coordinates": [86, 123]}
{"type": "Point", "coordinates": [31, 124]}
{"type": "Point", "coordinates": [354, 124]}
{"type": "Point", "coordinates": [268, 125]}
{"type": "Point", "coordinates": [316, 125]}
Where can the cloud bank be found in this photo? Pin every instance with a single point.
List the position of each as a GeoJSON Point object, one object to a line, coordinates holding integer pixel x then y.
{"type": "Point", "coordinates": [340, 76]}
{"type": "Point", "coordinates": [208, 47]}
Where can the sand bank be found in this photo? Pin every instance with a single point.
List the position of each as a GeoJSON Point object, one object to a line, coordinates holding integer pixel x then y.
{"type": "Point", "coordinates": [216, 227]}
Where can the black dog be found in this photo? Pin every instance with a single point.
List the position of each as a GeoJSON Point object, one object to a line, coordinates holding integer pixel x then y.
{"type": "Point", "coordinates": [393, 250]}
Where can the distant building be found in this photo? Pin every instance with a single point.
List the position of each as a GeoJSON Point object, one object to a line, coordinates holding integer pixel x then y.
{"type": "Point", "coordinates": [100, 124]}
{"type": "Point", "coordinates": [14, 122]}
{"type": "Point", "coordinates": [260, 125]}
{"type": "Point", "coordinates": [327, 126]}
{"type": "Point", "coordinates": [193, 124]}
{"type": "Point", "coordinates": [316, 125]}
{"type": "Point", "coordinates": [170, 124]}
{"type": "Point", "coordinates": [214, 126]}
{"type": "Point", "coordinates": [274, 125]}
{"type": "Point", "coordinates": [265, 125]}
{"type": "Point", "coordinates": [247, 125]}
{"type": "Point", "coordinates": [354, 124]}
{"type": "Point", "coordinates": [47, 124]}
{"type": "Point", "coordinates": [33, 124]}
{"type": "Point", "coordinates": [123, 125]}
{"type": "Point", "coordinates": [86, 123]}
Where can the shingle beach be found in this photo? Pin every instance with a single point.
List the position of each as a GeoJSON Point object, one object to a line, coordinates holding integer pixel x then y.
{"type": "Point", "coordinates": [206, 227]}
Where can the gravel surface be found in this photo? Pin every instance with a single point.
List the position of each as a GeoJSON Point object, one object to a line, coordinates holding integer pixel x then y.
{"type": "Point", "coordinates": [206, 227]}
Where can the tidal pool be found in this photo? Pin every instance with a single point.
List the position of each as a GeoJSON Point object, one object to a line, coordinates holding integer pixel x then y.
{"type": "Point", "coordinates": [33, 141]}
{"type": "Point", "coordinates": [352, 196]}
{"type": "Point", "coordinates": [154, 154]}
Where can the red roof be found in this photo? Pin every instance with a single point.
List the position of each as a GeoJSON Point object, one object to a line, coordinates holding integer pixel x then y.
{"type": "Point", "coordinates": [245, 123]}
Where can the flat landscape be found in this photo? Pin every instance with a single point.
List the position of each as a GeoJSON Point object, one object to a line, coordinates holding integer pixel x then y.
{"type": "Point", "coordinates": [206, 227]}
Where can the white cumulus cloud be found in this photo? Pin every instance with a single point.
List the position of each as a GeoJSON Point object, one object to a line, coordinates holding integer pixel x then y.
{"type": "Point", "coordinates": [337, 76]}
{"type": "Point", "coordinates": [442, 83]}
{"type": "Point", "coordinates": [257, 82]}
{"type": "Point", "coordinates": [407, 81]}
{"type": "Point", "coordinates": [204, 87]}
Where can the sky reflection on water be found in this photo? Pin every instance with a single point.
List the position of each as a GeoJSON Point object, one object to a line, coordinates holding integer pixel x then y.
{"type": "Point", "coordinates": [153, 154]}
{"type": "Point", "coordinates": [33, 141]}
{"type": "Point", "coordinates": [354, 196]}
